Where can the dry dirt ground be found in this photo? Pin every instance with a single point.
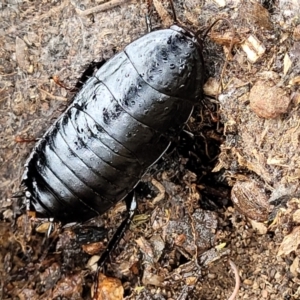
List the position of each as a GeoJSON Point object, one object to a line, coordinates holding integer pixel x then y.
{"type": "Point", "coordinates": [230, 192]}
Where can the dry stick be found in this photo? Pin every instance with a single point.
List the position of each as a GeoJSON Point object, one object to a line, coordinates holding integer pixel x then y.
{"type": "Point", "coordinates": [53, 97]}
{"type": "Point", "coordinates": [101, 7]}
{"type": "Point", "coordinates": [237, 280]}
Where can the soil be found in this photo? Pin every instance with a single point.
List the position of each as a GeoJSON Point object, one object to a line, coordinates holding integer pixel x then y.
{"type": "Point", "coordinates": [227, 190]}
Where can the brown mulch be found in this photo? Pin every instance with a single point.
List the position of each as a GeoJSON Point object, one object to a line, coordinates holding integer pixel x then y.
{"type": "Point", "coordinates": [231, 192]}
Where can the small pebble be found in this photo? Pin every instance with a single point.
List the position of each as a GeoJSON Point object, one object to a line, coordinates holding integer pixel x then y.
{"type": "Point", "coordinates": [248, 282]}
{"type": "Point", "coordinates": [268, 101]}
{"type": "Point", "coordinates": [264, 294]}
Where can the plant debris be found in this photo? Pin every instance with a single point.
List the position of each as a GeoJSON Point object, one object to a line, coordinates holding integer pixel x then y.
{"type": "Point", "coordinates": [229, 189]}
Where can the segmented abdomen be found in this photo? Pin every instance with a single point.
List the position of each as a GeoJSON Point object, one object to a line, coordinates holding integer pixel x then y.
{"type": "Point", "coordinates": [97, 151]}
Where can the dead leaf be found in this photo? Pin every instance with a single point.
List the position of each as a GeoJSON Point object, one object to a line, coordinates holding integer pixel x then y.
{"type": "Point", "coordinates": [43, 228]}
{"type": "Point", "coordinates": [93, 248]}
{"type": "Point", "coordinates": [146, 248]}
{"type": "Point", "coordinates": [251, 200]}
{"type": "Point", "coordinates": [296, 216]}
{"type": "Point", "coordinates": [295, 266]}
{"type": "Point", "coordinates": [150, 278]}
{"type": "Point", "coordinates": [290, 242]}
{"type": "Point", "coordinates": [261, 228]}
{"type": "Point", "coordinates": [109, 288]}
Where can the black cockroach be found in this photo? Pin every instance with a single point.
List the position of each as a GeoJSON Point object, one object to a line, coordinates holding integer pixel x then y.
{"type": "Point", "coordinates": [119, 124]}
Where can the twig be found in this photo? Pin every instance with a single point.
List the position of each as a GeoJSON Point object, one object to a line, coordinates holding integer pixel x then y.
{"type": "Point", "coordinates": [102, 7]}
{"type": "Point", "coordinates": [237, 280]}
{"type": "Point", "coordinates": [53, 97]}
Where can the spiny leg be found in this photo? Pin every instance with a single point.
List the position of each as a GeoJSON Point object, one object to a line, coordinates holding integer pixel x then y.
{"type": "Point", "coordinates": [131, 207]}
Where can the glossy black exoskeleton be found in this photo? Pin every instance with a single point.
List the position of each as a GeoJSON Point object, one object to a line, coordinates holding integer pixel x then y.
{"type": "Point", "coordinates": [119, 124]}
